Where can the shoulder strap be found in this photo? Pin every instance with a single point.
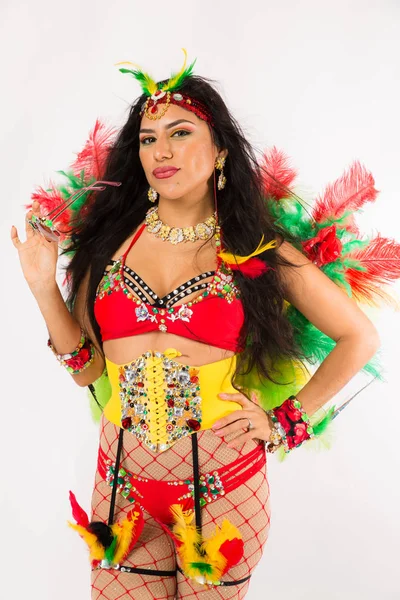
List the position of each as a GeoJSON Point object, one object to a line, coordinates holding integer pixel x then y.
{"type": "Point", "coordinates": [135, 237]}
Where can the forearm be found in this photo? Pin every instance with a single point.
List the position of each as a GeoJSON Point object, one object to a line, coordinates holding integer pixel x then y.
{"type": "Point", "coordinates": [64, 330]}
{"type": "Point", "coordinates": [348, 357]}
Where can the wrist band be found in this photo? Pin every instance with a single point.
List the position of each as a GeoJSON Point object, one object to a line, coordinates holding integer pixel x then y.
{"type": "Point", "coordinates": [291, 426]}
{"type": "Point", "coordinates": [78, 360]}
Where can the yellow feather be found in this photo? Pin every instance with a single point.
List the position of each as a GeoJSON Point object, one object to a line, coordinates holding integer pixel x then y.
{"type": "Point", "coordinates": [187, 534]}
{"type": "Point", "coordinates": [151, 84]}
{"type": "Point", "coordinates": [124, 532]}
{"type": "Point", "coordinates": [174, 78]}
{"type": "Point", "coordinates": [226, 532]}
{"type": "Point", "coordinates": [96, 549]}
{"type": "Point", "coordinates": [127, 62]}
{"type": "Point", "coordinates": [234, 258]}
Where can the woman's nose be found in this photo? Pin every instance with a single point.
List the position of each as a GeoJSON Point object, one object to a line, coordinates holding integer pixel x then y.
{"type": "Point", "coordinates": [162, 148]}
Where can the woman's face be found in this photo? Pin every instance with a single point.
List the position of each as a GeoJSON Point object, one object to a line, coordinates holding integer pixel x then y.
{"type": "Point", "coordinates": [179, 140]}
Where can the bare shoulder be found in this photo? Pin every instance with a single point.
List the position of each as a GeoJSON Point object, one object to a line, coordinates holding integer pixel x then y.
{"type": "Point", "coordinates": [324, 303]}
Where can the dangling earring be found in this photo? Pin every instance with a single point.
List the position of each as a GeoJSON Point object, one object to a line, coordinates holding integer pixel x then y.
{"type": "Point", "coordinates": [219, 164]}
{"type": "Point", "coordinates": [152, 194]}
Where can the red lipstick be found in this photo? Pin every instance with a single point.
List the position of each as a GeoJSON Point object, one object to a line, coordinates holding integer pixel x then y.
{"type": "Point", "coordinates": [164, 172]}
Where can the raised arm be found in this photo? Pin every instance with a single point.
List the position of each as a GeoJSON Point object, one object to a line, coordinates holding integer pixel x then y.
{"type": "Point", "coordinates": [38, 258]}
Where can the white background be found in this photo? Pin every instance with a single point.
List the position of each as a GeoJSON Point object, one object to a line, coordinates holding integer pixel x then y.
{"type": "Point", "coordinates": [318, 80]}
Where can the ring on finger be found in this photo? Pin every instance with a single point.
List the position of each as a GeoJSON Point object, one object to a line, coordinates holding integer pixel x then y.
{"type": "Point", "coordinates": [250, 425]}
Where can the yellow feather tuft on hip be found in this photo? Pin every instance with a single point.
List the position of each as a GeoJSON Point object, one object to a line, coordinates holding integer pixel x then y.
{"type": "Point", "coordinates": [96, 549]}
{"type": "Point", "coordinates": [124, 532]}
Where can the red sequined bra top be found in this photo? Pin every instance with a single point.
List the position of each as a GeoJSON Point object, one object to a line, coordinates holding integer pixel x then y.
{"type": "Point", "coordinates": [125, 305]}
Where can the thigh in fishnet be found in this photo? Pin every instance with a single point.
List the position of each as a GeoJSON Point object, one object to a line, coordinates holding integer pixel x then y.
{"type": "Point", "coordinates": [247, 507]}
{"type": "Point", "coordinates": [153, 550]}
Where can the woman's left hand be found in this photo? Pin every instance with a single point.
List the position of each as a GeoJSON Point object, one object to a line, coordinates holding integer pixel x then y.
{"type": "Point", "coordinates": [238, 420]}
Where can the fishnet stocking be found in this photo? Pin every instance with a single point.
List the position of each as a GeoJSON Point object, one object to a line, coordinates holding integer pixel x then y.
{"type": "Point", "coordinates": [247, 507]}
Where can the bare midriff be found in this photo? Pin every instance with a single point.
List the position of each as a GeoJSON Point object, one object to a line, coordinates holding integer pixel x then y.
{"type": "Point", "coordinates": [123, 350]}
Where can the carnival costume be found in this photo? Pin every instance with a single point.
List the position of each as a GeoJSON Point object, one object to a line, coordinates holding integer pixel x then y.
{"type": "Point", "coordinates": [154, 404]}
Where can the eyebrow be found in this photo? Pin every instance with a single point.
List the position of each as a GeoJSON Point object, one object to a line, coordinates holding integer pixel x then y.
{"type": "Point", "coordinates": [167, 126]}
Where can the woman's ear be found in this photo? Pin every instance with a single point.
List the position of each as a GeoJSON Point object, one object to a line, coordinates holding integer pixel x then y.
{"type": "Point", "coordinates": [222, 153]}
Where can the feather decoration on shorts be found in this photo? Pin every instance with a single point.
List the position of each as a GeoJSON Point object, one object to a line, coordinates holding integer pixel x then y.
{"type": "Point", "coordinates": [96, 548]}
{"type": "Point", "coordinates": [225, 547]}
{"type": "Point", "coordinates": [205, 560]}
{"type": "Point", "coordinates": [110, 543]}
{"type": "Point", "coordinates": [127, 532]}
{"type": "Point", "coordinates": [78, 512]}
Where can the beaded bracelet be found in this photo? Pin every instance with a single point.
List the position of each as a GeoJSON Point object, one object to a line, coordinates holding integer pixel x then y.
{"type": "Point", "coordinates": [291, 425]}
{"type": "Point", "coordinates": [77, 361]}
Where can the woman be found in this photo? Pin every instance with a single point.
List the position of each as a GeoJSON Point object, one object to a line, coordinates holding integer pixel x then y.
{"type": "Point", "coordinates": [179, 317]}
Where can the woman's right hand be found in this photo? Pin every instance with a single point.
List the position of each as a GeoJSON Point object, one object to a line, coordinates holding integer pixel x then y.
{"type": "Point", "coordinates": [38, 256]}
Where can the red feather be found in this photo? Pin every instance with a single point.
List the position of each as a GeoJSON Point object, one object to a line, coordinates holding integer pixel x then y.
{"type": "Point", "coordinates": [78, 513]}
{"type": "Point", "coordinates": [232, 550]}
{"type": "Point", "coordinates": [347, 194]}
{"type": "Point", "coordinates": [381, 258]}
{"type": "Point", "coordinates": [254, 267]}
{"type": "Point", "coordinates": [276, 173]}
{"type": "Point", "coordinates": [49, 200]}
{"type": "Point", "coordinates": [92, 158]}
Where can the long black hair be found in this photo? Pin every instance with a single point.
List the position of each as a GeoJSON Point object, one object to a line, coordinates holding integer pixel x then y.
{"type": "Point", "coordinates": [243, 215]}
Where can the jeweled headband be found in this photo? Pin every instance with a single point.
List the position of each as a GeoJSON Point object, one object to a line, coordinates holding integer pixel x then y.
{"type": "Point", "coordinates": [166, 92]}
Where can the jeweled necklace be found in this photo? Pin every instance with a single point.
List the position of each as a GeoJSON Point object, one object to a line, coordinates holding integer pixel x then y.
{"type": "Point", "coordinates": [176, 235]}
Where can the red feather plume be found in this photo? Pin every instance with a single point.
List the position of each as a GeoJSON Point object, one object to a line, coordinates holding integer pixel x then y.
{"type": "Point", "coordinates": [138, 528]}
{"type": "Point", "coordinates": [254, 267]}
{"type": "Point", "coordinates": [78, 513]}
{"type": "Point", "coordinates": [49, 200]}
{"type": "Point", "coordinates": [348, 193]}
{"type": "Point", "coordinates": [233, 551]}
{"type": "Point", "coordinates": [276, 173]}
{"type": "Point", "coordinates": [381, 258]}
{"type": "Point", "coordinates": [92, 158]}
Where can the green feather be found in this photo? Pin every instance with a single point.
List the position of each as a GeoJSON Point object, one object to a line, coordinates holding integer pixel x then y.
{"type": "Point", "coordinates": [321, 426]}
{"type": "Point", "coordinates": [287, 380]}
{"type": "Point", "coordinates": [204, 568]}
{"type": "Point", "coordinates": [110, 551]}
{"type": "Point", "coordinates": [99, 395]}
{"type": "Point", "coordinates": [177, 79]}
{"type": "Point", "coordinates": [147, 84]}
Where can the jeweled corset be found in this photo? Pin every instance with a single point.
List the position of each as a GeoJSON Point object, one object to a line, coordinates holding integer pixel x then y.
{"type": "Point", "coordinates": [160, 399]}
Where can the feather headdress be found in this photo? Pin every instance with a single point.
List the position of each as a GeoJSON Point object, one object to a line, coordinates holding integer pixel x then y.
{"type": "Point", "coordinates": [166, 92]}
{"type": "Point", "coordinates": [147, 83]}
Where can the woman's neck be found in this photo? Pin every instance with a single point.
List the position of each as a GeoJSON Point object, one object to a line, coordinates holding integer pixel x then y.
{"type": "Point", "coordinates": [181, 212]}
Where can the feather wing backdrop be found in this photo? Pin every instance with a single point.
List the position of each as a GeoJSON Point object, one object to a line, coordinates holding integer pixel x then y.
{"type": "Point", "coordinates": [326, 232]}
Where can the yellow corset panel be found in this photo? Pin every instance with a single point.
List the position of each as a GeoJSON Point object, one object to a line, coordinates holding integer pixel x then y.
{"type": "Point", "coordinates": [160, 400]}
